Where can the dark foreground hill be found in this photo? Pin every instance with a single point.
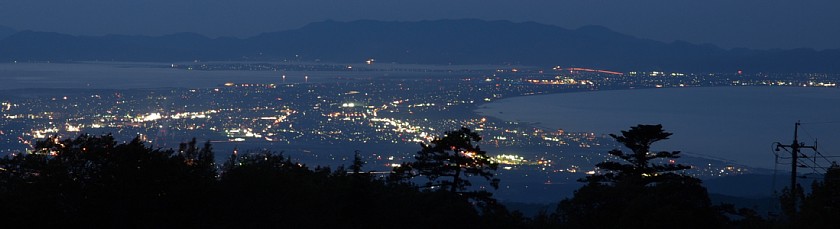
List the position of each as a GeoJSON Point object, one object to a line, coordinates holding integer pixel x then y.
{"type": "Point", "coordinates": [425, 42]}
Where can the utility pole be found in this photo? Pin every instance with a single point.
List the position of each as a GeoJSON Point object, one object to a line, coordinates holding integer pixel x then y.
{"type": "Point", "coordinates": [794, 161]}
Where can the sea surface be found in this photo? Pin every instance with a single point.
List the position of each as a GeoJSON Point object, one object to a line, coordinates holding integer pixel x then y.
{"type": "Point", "coordinates": [739, 124]}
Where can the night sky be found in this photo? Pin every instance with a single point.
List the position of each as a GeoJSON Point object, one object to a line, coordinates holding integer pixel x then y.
{"type": "Point", "coordinates": [727, 23]}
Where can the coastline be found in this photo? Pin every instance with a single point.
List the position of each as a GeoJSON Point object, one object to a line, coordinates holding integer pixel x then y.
{"type": "Point", "coordinates": [690, 113]}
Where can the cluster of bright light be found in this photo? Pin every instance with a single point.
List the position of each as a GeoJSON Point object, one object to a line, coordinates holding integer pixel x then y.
{"type": "Point", "coordinates": [469, 154]}
{"type": "Point", "coordinates": [194, 115]}
{"type": "Point", "coordinates": [398, 125]}
{"type": "Point", "coordinates": [422, 105]}
{"type": "Point", "coordinates": [5, 106]}
{"type": "Point", "coordinates": [237, 133]}
{"type": "Point", "coordinates": [554, 139]}
{"type": "Point", "coordinates": [509, 159]}
{"type": "Point", "coordinates": [231, 84]}
{"type": "Point", "coordinates": [43, 133]}
{"type": "Point", "coordinates": [718, 172]}
{"type": "Point", "coordinates": [72, 128]}
{"type": "Point", "coordinates": [147, 117]}
{"type": "Point", "coordinates": [821, 84]}
{"type": "Point", "coordinates": [277, 119]}
{"type": "Point", "coordinates": [346, 115]}
{"type": "Point", "coordinates": [562, 81]}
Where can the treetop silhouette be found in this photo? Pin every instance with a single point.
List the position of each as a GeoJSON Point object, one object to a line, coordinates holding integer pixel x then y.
{"type": "Point", "coordinates": [629, 194]}
{"type": "Point", "coordinates": [641, 169]}
{"type": "Point", "coordinates": [456, 156]}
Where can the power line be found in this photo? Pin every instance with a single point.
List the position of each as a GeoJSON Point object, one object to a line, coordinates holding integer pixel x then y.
{"type": "Point", "coordinates": [815, 143]}
{"type": "Point", "coordinates": [800, 160]}
{"type": "Point", "coordinates": [814, 123]}
{"type": "Point", "coordinates": [794, 152]}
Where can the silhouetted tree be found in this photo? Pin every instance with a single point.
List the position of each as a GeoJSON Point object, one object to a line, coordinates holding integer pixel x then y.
{"type": "Point", "coordinates": [640, 169]}
{"type": "Point", "coordinates": [448, 162]}
{"type": "Point", "coordinates": [640, 193]}
{"type": "Point", "coordinates": [94, 181]}
{"type": "Point", "coordinates": [787, 199]}
{"type": "Point", "coordinates": [401, 175]}
{"type": "Point", "coordinates": [821, 207]}
{"type": "Point", "coordinates": [266, 189]}
{"type": "Point", "coordinates": [200, 161]}
{"type": "Point", "coordinates": [357, 163]}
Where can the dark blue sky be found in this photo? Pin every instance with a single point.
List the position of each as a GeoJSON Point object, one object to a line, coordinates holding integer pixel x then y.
{"type": "Point", "coordinates": [727, 23]}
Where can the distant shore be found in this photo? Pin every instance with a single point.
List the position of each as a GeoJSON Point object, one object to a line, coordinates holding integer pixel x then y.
{"type": "Point", "coordinates": [131, 75]}
{"type": "Point", "coordinates": [741, 122]}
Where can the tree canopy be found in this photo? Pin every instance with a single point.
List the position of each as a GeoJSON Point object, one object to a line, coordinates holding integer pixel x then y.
{"type": "Point", "coordinates": [640, 193]}
{"type": "Point", "coordinates": [641, 167]}
{"type": "Point", "coordinates": [450, 161]}
{"type": "Point", "coordinates": [821, 207]}
{"type": "Point", "coordinates": [94, 181]}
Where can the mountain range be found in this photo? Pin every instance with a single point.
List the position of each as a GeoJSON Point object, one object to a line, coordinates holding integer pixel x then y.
{"type": "Point", "coordinates": [457, 42]}
{"type": "Point", "coordinates": [6, 31]}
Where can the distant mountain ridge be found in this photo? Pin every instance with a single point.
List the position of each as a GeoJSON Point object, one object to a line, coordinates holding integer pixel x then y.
{"type": "Point", "coordinates": [464, 41]}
